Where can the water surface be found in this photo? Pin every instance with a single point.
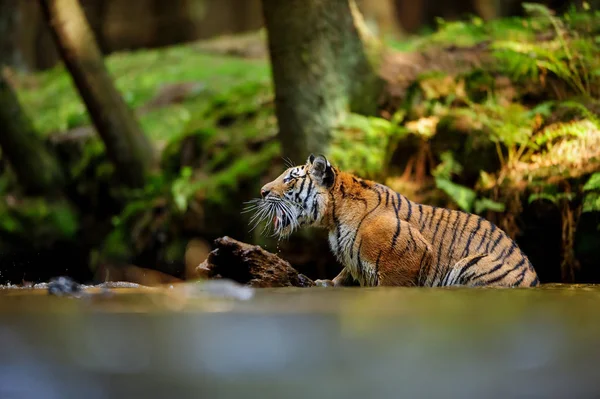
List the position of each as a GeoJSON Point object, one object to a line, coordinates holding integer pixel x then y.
{"type": "Point", "coordinates": [303, 343]}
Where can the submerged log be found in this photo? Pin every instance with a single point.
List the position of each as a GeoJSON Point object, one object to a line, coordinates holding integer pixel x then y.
{"type": "Point", "coordinates": [250, 265]}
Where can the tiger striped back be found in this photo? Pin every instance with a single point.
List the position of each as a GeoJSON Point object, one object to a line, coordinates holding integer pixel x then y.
{"type": "Point", "coordinates": [384, 239]}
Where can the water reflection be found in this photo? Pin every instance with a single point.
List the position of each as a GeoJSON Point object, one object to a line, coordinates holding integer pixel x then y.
{"type": "Point", "coordinates": [303, 343]}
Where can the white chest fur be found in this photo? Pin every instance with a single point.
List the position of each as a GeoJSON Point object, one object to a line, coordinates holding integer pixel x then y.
{"type": "Point", "coordinates": [345, 245]}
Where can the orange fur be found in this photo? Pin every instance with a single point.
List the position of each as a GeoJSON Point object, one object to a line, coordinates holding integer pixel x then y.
{"type": "Point", "coordinates": [384, 239]}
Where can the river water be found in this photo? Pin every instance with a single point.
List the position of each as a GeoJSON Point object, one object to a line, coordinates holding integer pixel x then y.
{"type": "Point", "coordinates": [303, 343]}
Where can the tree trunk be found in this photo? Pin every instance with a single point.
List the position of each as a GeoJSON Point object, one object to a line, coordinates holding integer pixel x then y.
{"type": "Point", "coordinates": [321, 70]}
{"type": "Point", "coordinates": [10, 13]}
{"type": "Point", "coordinates": [36, 168]}
{"type": "Point", "coordinates": [128, 148]}
{"type": "Point", "coordinates": [381, 17]}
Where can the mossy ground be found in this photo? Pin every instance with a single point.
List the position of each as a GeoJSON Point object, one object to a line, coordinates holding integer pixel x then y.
{"type": "Point", "coordinates": [523, 118]}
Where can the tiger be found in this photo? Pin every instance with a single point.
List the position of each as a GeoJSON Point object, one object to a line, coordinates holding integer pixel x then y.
{"type": "Point", "coordinates": [381, 238]}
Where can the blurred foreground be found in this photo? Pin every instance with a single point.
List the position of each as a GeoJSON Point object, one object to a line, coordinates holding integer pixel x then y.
{"type": "Point", "coordinates": [302, 343]}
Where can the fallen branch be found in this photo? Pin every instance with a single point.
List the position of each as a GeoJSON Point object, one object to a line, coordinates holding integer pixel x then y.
{"type": "Point", "coordinates": [250, 265]}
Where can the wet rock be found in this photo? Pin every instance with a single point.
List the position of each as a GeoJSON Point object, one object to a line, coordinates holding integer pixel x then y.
{"type": "Point", "coordinates": [60, 286]}
{"type": "Point", "coordinates": [249, 265]}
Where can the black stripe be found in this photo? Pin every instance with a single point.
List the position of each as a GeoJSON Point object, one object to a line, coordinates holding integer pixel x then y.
{"type": "Point", "coordinates": [501, 256]}
{"type": "Point", "coordinates": [387, 197]}
{"type": "Point", "coordinates": [421, 265]}
{"type": "Point", "coordinates": [336, 221]}
{"type": "Point", "coordinates": [500, 277]}
{"type": "Point", "coordinates": [487, 246]}
{"type": "Point", "coordinates": [360, 265]}
{"type": "Point", "coordinates": [412, 239]}
{"type": "Point", "coordinates": [420, 215]}
{"type": "Point", "coordinates": [409, 210]}
{"type": "Point", "coordinates": [347, 235]}
{"type": "Point", "coordinates": [310, 188]}
{"type": "Point", "coordinates": [343, 190]}
{"type": "Point", "coordinates": [462, 231]}
{"type": "Point", "coordinates": [377, 262]}
{"type": "Point", "coordinates": [465, 251]}
{"type": "Point", "coordinates": [397, 233]}
{"type": "Point", "coordinates": [399, 198]}
{"type": "Point", "coordinates": [427, 216]}
{"type": "Point", "coordinates": [432, 217]}
{"type": "Point", "coordinates": [520, 279]}
{"type": "Point", "coordinates": [300, 190]}
{"type": "Point", "coordinates": [500, 237]}
{"type": "Point", "coordinates": [363, 219]}
{"type": "Point", "coordinates": [510, 251]}
{"type": "Point", "coordinates": [315, 208]}
{"type": "Point", "coordinates": [405, 249]}
{"type": "Point", "coordinates": [470, 264]}
{"type": "Point", "coordinates": [484, 239]}
{"type": "Point", "coordinates": [439, 252]}
{"type": "Point", "coordinates": [488, 272]}
{"type": "Point", "coordinates": [454, 235]}
{"type": "Point", "coordinates": [535, 282]}
{"type": "Point", "coordinates": [437, 226]}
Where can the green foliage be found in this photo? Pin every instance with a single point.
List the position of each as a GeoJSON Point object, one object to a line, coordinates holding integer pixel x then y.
{"type": "Point", "coordinates": [466, 198]}
{"type": "Point", "coordinates": [231, 137]}
{"type": "Point", "coordinates": [593, 184]}
{"type": "Point", "coordinates": [591, 189]}
{"type": "Point", "coordinates": [510, 126]}
{"type": "Point", "coordinates": [466, 33]}
{"type": "Point", "coordinates": [550, 193]}
{"type": "Point", "coordinates": [37, 221]}
{"type": "Point", "coordinates": [569, 55]}
{"type": "Point", "coordinates": [139, 76]}
{"type": "Point", "coordinates": [364, 144]}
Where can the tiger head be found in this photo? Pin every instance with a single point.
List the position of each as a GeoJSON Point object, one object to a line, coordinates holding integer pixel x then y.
{"type": "Point", "coordinates": [297, 198]}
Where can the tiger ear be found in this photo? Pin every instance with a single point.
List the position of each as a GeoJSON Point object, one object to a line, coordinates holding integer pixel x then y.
{"type": "Point", "coordinates": [322, 171]}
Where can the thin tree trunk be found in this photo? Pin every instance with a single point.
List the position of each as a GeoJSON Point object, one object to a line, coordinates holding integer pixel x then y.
{"type": "Point", "coordinates": [36, 168]}
{"type": "Point", "coordinates": [321, 70]}
{"type": "Point", "coordinates": [10, 13]}
{"type": "Point", "coordinates": [381, 16]}
{"type": "Point", "coordinates": [128, 148]}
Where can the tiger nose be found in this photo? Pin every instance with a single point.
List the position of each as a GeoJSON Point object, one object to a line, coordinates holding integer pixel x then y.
{"type": "Point", "coordinates": [264, 192]}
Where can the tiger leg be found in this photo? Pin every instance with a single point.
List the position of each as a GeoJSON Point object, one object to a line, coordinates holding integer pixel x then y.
{"type": "Point", "coordinates": [344, 278]}
{"type": "Point", "coordinates": [486, 270]}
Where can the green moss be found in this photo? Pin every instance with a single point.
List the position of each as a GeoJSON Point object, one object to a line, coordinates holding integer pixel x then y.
{"type": "Point", "coordinates": [467, 33]}
{"type": "Point", "coordinates": [219, 186]}
{"type": "Point", "coordinates": [37, 221]}
{"type": "Point", "coordinates": [138, 76]}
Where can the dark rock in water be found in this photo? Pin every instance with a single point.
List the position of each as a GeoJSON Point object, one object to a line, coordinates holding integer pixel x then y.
{"type": "Point", "coordinates": [250, 265]}
{"type": "Point", "coordinates": [63, 286]}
